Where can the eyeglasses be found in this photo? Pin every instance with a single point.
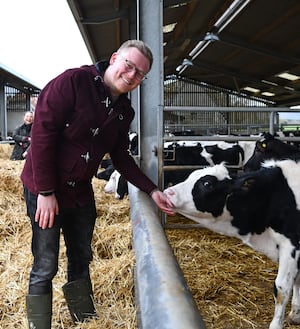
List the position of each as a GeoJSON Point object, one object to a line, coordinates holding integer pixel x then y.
{"type": "Point", "coordinates": [130, 67]}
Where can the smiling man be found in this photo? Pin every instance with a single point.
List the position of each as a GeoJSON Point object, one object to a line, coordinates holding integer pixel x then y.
{"type": "Point", "coordinates": [127, 69]}
{"type": "Point", "coordinates": [80, 116]}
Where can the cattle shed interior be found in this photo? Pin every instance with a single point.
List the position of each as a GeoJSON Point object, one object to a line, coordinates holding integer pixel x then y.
{"type": "Point", "coordinates": [230, 44]}
{"type": "Point", "coordinates": [223, 70]}
{"type": "Point", "coordinates": [222, 66]}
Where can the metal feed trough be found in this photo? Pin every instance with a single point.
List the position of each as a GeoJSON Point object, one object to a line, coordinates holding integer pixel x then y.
{"type": "Point", "coordinates": [163, 298]}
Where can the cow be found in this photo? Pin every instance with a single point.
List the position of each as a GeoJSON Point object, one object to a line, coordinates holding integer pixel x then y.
{"type": "Point", "coordinates": [261, 208]}
{"type": "Point", "coordinates": [181, 153]}
{"type": "Point", "coordinates": [203, 153]}
{"type": "Point", "coordinates": [117, 184]}
{"type": "Point", "coordinates": [133, 143]}
{"type": "Point", "coordinates": [200, 154]}
{"type": "Point", "coordinates": [107, 164]}
{"type": "Point", "coordinates": [269, 147]}
{"type": "Point", "coordinates": [108, 167]}
{"type": "Point", "coordinates": [231, 154]}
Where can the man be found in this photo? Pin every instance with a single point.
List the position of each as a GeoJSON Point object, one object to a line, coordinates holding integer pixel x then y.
{"type": "Point", "coordinates": [21, 136]}
{"type": "Point", "coordinates": [80, 116]}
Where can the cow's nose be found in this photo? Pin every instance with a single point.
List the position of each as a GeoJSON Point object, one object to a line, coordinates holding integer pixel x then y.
{"type": "Point", "coordinates": [169, 191]}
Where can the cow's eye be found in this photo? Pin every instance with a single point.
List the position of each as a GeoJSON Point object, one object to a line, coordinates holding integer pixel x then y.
{"type": "Point", "coordinates": [207, 184]}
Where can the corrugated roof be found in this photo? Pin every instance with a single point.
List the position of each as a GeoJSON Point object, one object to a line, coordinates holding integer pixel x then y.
{"type": "Point", "coordinates": [13, 79]}
{"type": "Point", "coordinates": [224, 43]}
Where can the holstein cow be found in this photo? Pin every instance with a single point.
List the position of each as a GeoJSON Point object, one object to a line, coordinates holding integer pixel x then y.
{"type": "Point", "coordinates": [261, 208]}
{"type": "Point", "coordinates": [267, 148]}
{"type": "Point", "coordinates": [201, 154]}
{"type": "Point", "coordinates": [108, 167]}
{"type": "Point", "coordinates": [231, 154]}
{"type": "Point", "coordinates": [117, 184]}
{"type": "Point", "coordinates": [183, 153]}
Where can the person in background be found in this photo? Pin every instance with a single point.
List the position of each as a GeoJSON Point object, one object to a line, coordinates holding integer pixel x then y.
{"type": "Point", "coordinates": [21, 136]}
{"type": "Point", "coordinates": [80, 116]}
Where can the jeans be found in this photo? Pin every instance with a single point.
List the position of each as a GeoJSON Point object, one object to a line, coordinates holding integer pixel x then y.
{"type": "Point", "coordinates": [77, 226]}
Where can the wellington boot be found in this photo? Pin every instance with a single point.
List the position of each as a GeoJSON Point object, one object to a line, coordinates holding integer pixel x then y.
{"type": "Point", "coordinates": [79, 297]}
{"type": "Point", "coordinates": [39, 311]}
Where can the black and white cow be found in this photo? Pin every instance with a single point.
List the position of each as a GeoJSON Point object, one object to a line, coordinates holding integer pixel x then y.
{"type": "Point", "coordinates": [261, 208]}
{"type": "Point", "coordinates": [108, 167]}
{"type": "Point", "coordinates": [191, 153]}
{"type": "Point", "coordinates": [269, 147]}
{"type": "Point", "coordinates": [231, 154]}
{"type": "Point", "coordinates": [182, 153]}
{"type": "Point", "coordinates": [117, 184]}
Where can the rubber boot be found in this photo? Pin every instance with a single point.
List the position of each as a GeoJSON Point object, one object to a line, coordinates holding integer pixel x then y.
{"type": "Point", "coordinates": [39, 311]}
{"type": "Point", "coordinates": [79, 297]}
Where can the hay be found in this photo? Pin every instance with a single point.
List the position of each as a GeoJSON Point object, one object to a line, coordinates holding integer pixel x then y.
{"type": "Point", "coordinates": [231, 284]}
{"type": "Point", "coordinates": [5, 151]}
{"type": "Point", "coordinates": [111, 269]}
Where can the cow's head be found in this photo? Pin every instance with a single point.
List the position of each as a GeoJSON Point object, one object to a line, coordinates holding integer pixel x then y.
{"type": "Point", "coordinates": [117, 185]}
{"type": "Point", "coordinates": [267, 148]}
{"type": "Point", "coordinates": [203, 194]}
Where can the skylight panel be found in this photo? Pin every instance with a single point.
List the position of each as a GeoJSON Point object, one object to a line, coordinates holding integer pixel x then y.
{"type": "Point", "coordinates": [288, 76]}
{"type": "Point", "coordinates": [267, 93]}
{"type": "Point", "coordinates": [169, 28]}
{"type": "Point", "coordinates": [251, 89]}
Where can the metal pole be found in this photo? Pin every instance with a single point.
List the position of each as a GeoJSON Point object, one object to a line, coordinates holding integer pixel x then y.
{"type": "Point", "coordinates": [151, 89]}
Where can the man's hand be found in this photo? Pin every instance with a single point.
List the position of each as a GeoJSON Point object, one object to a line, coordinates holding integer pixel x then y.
{"type": "Point", "coordinates": [47, 208]}
{"type": "Point", "coordinates": [163, 202]}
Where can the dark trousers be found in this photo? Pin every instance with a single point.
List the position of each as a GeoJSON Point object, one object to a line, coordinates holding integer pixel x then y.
{"type": "Point", "coordinates": [77, 226]}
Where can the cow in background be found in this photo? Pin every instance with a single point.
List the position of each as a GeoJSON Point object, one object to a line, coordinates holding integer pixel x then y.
{"type": "Point", "coordinates": [184, 153]}
{"type": "Point", "coordinates": [118, 185]}
{"type": "Point", "coordinates": [108, 167]}
{"type": "Point", "coordinates": [270, 147]}
{"type": "Point", "coordinates": [231, 154]}
{"type": "Point", "coordinates": [204, 153]}
{"type": "Point", "coordinates": [115, 182]}
{"type": "Point", "coordinates": [261, 208]}
{"type": "Point", "coordinates": [181, 154]}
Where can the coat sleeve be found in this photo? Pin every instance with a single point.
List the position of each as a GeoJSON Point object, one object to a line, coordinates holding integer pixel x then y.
{"type": "Point", "coordinates": [127, 166]}
{"type": "Point", "coordinates": [18, 136]}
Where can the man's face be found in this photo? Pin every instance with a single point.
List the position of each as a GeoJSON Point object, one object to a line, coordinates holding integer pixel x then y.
{"type": "Point", "coordinates": [126, 71]}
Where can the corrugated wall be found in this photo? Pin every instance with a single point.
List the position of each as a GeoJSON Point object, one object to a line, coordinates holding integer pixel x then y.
{"type": "Point", "coordinates": [185, 93]}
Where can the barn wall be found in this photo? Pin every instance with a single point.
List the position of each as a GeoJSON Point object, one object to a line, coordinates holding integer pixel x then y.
{"type": "Point", "coordinates": [17, 103]}
{"type": "Point", "coordinates": [16, 97]}
{"type": "Point", "coordinates": [189, 94]}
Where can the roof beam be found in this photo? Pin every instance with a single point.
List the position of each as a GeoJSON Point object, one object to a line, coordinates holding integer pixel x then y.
{"type": "Point", "coordinates": [244, 77]}
{"type": "Point", "coordinates": [108, 18]}
{"type": "Point", "coordinates": [257, 49]}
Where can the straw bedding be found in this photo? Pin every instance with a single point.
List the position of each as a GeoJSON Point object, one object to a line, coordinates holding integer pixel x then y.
{"type": "Point", "coordinates": [111, 269]}
{"type": "Point", "coordinates": [231, 284]}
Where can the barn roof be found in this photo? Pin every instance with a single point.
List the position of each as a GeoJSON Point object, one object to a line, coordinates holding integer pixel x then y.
{"type": "Point", "coordinates": [240, 45]}
{"type": "Point", "coordinates": [13, 79]}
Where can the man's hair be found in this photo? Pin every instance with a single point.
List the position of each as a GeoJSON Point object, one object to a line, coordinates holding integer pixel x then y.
{"type": "Point", "coordinates": [141, 46]}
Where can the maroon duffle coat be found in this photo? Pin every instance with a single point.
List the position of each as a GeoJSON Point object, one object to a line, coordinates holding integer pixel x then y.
{"type": "Point", "coordinates": [74, 127]}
